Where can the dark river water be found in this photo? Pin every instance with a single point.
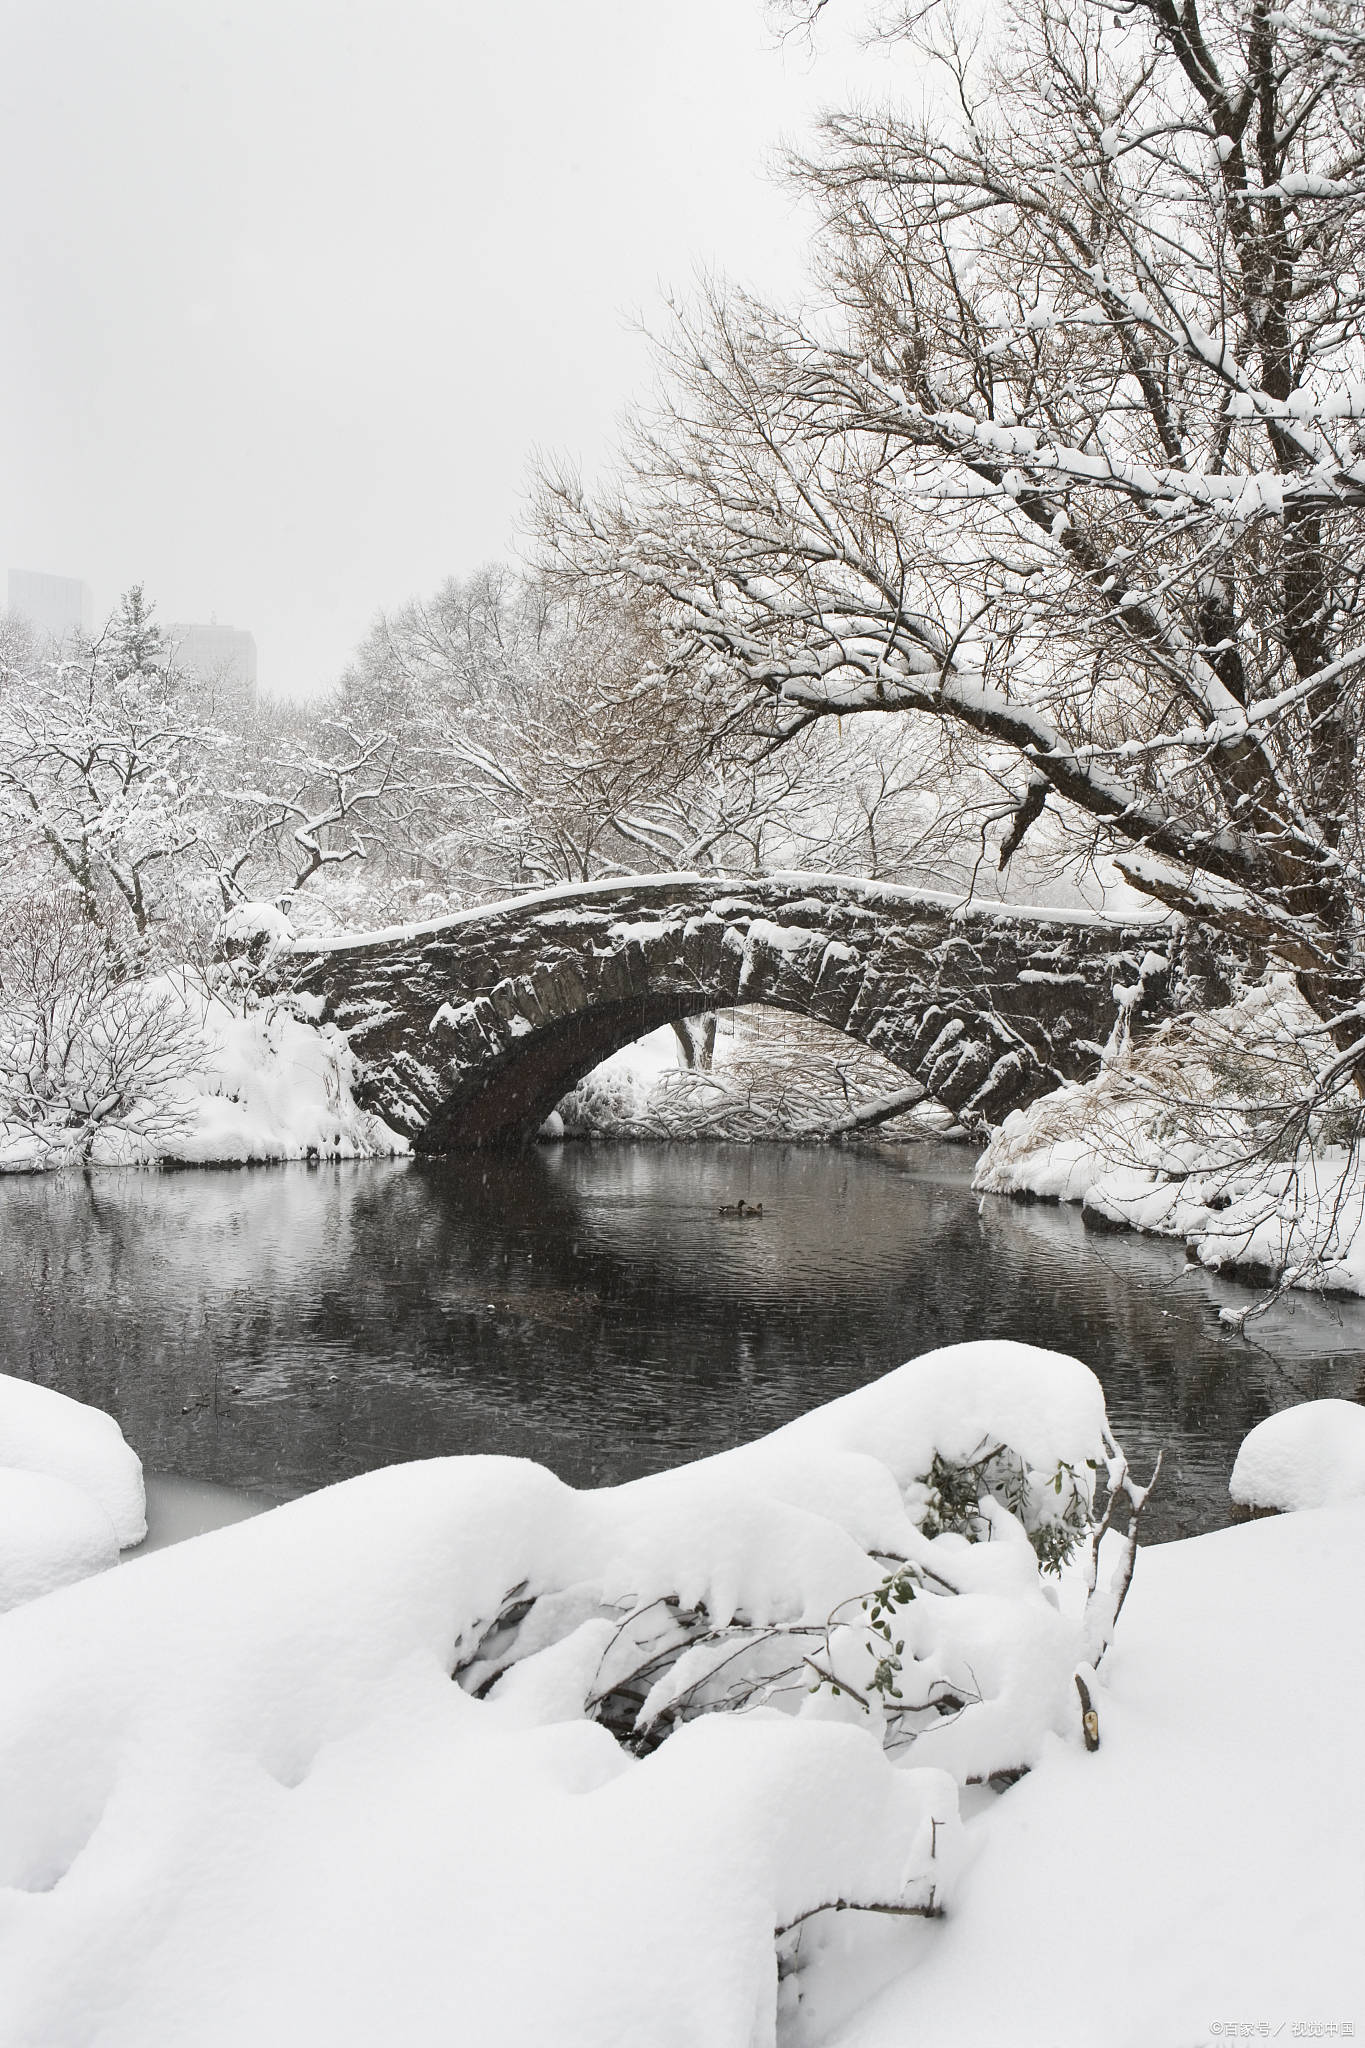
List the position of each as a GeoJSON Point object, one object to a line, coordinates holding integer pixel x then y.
{"type": "Point", "coordinates": [586, 1306]}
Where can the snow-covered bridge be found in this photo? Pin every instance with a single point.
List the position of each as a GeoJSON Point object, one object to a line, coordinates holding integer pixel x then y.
{"type": "Point", "coordinates": [470, 1029]}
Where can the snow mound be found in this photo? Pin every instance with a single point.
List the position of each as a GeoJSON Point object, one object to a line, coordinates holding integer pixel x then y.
{"type": "Point", "coordinates": [273, 1086]}
{"type": "Point", "coordinates": [51, 1534]}
{"type": "Point", "coordinates": [255, 928]}
{"type": "Point", "coordinates": [1309, 1456]}
{"type": "Point", "coordinates": [45, 1432]}
{"type": "Point", "coordinates": [1048, 1407]}
{"type": "Point", "coordinates": [245, 1800]}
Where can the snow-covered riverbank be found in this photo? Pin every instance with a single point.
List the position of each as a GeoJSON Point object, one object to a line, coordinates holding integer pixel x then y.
{"type": "Point", "coordinates": [251, 1084]}
{"type": "Point", "coordinates": [1195, 1136]}
{"type": "Point", "coordinates": [246, 1802]}
{"type": "Point", "coordinates": [262, 1082]}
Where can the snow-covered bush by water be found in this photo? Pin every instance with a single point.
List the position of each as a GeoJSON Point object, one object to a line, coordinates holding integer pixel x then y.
{"type": "Point", "coordinates": [1308, 1456]}
{"type": "Point", "coordinates": [1199, 1133]}
{"type": "Point", "coordinates": [246, 1802]}
{"type": "Point", "coordinates": [247, 1081]}
{"type": "Point", "coordinates": [89, 1057]}
{"type": "Point", "coordinates": [71, 1493]}
{"type": "Point", "coordinates": [275, 1085]}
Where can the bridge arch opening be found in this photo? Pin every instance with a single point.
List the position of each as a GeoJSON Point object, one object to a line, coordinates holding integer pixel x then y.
{"type": "Point", "coordinates": [747, 1073]}
{"type": "Point", "coordinates": [520, 1092]}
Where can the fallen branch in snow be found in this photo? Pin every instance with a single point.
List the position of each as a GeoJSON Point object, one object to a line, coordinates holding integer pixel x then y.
{"type": "Point", "coordinates": [761, 1086]}
{"type": "Point", "coordinates": [1100, 1632]}
{"type": "Point", "coordinates": [928, 1911]}
{"type": "Point", "coordinates": [873, 1114]}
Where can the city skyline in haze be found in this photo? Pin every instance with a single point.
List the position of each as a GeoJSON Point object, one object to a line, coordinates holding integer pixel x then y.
{"type": "Point", "coordinates": [299, 290]}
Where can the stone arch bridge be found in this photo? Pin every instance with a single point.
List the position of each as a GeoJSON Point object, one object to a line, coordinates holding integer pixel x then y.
{"type": "Point", "coordinates": [470, 1029]}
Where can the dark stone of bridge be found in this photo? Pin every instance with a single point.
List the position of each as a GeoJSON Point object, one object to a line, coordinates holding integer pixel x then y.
{"type": "Point", "coordinates": [469, 1031]}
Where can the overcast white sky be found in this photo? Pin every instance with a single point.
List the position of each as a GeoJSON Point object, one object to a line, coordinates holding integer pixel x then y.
{"type": "Point", "coordinates": [296, 287]}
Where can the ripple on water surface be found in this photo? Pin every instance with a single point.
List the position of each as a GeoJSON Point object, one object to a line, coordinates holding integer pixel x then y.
{"type": "Point", "coordinates": [587, 1306]}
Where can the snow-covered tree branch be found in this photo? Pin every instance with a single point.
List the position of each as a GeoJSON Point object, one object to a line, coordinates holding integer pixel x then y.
{"type": "Point", "coordinates": [1070, 461]}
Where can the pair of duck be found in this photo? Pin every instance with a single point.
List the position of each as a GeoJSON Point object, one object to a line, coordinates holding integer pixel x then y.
{"type": "Point", "coordinates": [741, 1208]}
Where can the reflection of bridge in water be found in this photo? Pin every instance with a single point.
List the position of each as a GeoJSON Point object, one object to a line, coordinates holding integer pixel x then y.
{"type": "Point", "coordinates": [469, 1030]}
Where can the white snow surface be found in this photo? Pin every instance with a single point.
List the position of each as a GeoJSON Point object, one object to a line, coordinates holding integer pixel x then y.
{"type": "Point", "coordinates": [45, 1432]}
{"type": "Point", "coordinates": [245, 1802]}
{"type": "Point", "coordinates": [1308, 1456]}
{"type": "Point", "coordinates": [1202, 1873]}
{"type": "Point", "coordinates": [51, 1534]}
{"type": "Point", "coordinates": [275, 1086]}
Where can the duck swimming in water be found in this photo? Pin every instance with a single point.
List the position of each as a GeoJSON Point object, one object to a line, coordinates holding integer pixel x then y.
{"type": "Point", "coordinates": [741, 1208]}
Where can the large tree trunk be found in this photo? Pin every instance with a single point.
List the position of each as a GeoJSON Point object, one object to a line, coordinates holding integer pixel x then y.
{"type": "Point", "coordinates": [696, 1038]}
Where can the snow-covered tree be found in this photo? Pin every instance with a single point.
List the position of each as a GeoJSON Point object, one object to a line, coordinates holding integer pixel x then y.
{"type": "Point", "coordinates": [87, 1055]}
{"type": "Point", "coordinates": [551, 737]}
{"type": "Point", "coordinates": [1069, 460]}
{"type": "Point", "coordinates": [301, 803]}
{"type": "Point", "coordinates": [104, 765]}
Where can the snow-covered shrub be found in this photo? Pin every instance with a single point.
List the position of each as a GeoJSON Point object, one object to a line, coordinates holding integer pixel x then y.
{"type": "Point", "coordinates": [273, 1083]}
{"type": "Point", "coordinates": [87, 1054]}
{"type": "Point", "coordinates": [612, 1101]}
{"type": "Point", "coordinates": [250, 935]}
{"type": "Point", "coordinates": [994, 1452]}
{"type": "Point", "coordinates": [1309, 1456]}
{"type": "Point", "coordinates": [1054, 1512]}
{"type": "Point", "coordinates": [98, 1069]}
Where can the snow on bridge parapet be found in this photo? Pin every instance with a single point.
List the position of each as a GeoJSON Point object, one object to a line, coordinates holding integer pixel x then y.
{"type": "Point", "coordinates": [470, 1028]}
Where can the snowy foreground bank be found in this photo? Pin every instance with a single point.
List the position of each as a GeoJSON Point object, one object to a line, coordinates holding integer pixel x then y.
{"type": "Point", "coordinates": [244, 1802]}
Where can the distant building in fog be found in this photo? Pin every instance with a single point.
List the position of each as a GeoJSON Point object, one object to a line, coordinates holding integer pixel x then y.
{"type": "Point", "coordinates": [223, 657]}
{"type": "Point", "coordinates": [55, 606]}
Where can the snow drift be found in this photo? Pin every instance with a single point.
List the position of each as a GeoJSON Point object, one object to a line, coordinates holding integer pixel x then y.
{"type": "Point", "coordinates": [454, 1751]}
{"type": "Point", "coordinates": [245, 1801]}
